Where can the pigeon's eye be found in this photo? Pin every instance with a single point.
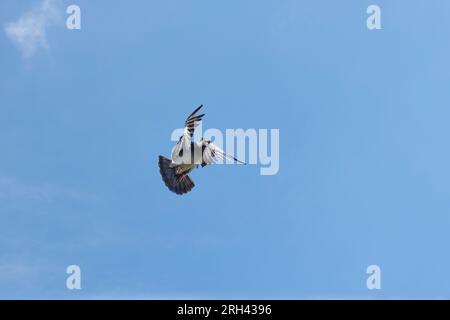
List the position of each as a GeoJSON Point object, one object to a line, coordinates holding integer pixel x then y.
{"type": "Point", "coordinates": [180, 154]}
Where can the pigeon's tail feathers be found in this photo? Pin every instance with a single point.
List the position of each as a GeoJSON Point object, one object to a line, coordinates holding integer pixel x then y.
{"type": "Point", "coordinates": [184, 185]}
{"type": "Point", "coordinates": [179, 183]}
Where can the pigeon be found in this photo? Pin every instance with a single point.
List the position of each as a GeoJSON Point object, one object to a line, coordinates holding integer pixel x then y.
{"type": "Point", "coordinates": [188, 155]}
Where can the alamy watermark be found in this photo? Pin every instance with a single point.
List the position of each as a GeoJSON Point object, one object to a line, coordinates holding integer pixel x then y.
{"type": "Point", "coordinates": [73, 281]}
{"type": "Point", "coordinates": [374, 20]}
{"type": "Point", "coordinates": [374, 279]}
{"type": "Point", "coordinates": [73, 21]}
{"type": "Point", "coordinates": [253, 146]}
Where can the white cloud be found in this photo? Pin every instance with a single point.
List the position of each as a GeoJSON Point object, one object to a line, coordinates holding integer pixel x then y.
{"type": "Point", "coordinates": [29, 32]}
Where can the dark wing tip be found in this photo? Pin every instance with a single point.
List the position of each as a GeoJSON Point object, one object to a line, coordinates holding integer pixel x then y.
{"type": "Point", "coordinates": [195, 111]}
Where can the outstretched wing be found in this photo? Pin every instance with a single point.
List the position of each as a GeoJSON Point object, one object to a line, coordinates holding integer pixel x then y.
{"type": "Point", "coordinates": [190, 124]}
{"type": "Point", "coordinates": [211, 153]}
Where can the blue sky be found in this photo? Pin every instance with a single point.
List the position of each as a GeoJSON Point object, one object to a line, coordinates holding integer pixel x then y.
{"type": "Point", "coordinates": [364, 151]}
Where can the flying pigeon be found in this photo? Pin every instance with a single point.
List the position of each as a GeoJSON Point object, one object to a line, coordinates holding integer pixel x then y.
{"type": "Point", "coordinates": [188, 155]}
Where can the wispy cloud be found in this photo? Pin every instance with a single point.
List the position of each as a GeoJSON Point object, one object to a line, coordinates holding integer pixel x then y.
{"type": "Point", "coordinates": [29, 32]}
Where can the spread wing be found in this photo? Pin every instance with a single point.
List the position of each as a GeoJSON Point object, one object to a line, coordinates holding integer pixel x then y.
{"type": "Point", "coordinates": [190, 124]}
{"type": "Point", "coordinates": [212, 153]}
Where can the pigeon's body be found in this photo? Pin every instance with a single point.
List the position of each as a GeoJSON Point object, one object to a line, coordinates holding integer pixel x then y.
{"type": "Point", "coordinates": [188, 155]}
